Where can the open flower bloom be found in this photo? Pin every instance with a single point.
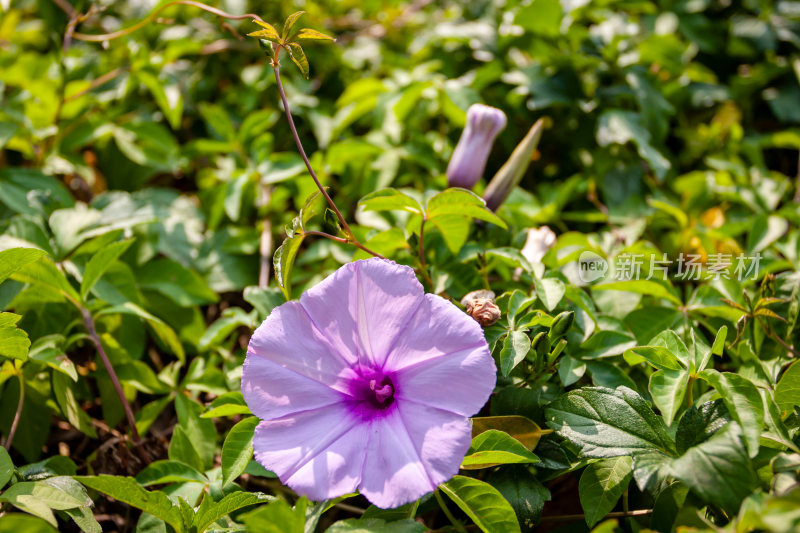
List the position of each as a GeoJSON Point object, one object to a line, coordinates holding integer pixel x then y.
{"type": "Point", "coordinates": [472, 151]}
{"type": "Point", "coordinates": [366, 383]}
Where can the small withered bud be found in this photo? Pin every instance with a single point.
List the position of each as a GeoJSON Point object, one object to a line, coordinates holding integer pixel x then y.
{"type": "Point", "coordinates": [480, 306]}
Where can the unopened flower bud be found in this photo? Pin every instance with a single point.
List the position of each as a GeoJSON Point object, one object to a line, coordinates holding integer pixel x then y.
{"type": "Point", "coordinates": [561, 324]}
{"type": "Point", "coordinates": [512, 171]}
{"type": "Point", "coordinates": [469, 157]}
{"type": "Point", "coordinates": [480, 306]}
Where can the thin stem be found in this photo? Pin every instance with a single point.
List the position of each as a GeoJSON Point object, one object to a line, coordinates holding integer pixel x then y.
{"type": "Point", "coordinates": [142, 23]}
{"type": "Point", "coordinates": [458, 525]}
{"type": "Point", "coordinates": [17, 414]}
{"type": "Point", "coordinates": [88, 322]}
{"type": "Point", "coordinates": [276, 68]}
{"type": "Point", "coordinates": [413, 512]}
{"type": "Point", "coordinates": [616, 514]}
{"type": "Point", "coordinates": [422, 243]}
{"type": "Point", "coordinates": [327, 236]}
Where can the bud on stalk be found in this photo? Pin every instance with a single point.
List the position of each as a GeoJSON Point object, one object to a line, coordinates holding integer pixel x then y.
{"type": "Point", "coordinates": [472, 151]}
{"type": "Point", "coordinates": [512, 171]}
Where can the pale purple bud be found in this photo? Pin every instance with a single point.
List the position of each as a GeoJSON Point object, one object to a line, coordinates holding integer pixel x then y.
{"type": "Point", "coordinates": [469, 158]}
{"type": "Point", "coordinates": [512, 171]}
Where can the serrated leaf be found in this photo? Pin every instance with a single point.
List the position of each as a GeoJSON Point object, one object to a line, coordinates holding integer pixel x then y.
{"type": "Point", "coordinates": [15, 259]}
{"type": "Point", "coordinates": [127, 490]}
{"type": "Point", "coordinates": [456, 201]}
{"type": "Point", "coordinates": [743, 401]}
{"type": "Point", "coordinates": [523, 491]}
{"type": "Point", "coordinates": [14, 342]}
{"type": "Point", "coordinates": [718, 470]}
{"type": "Point", "coordinates": [289, 23]}
{"type": "Point", "coordinates": [697, 424]}
{"type": "Point", "coordinates": [609, 423]}
{"type": "Point", "coordinates": [485, 506]}
{"type": "Point", "coordinates": [230, 503]}
{"type": "Point", "coordinates": [787, 393]}
{"type": "Point", "coordinates": [601, 485]}
{"type": "Point", "coordinates": [298, 58]}
{"type": "Point", "coordinates": [165, 471]}
{"type": "Point", "coordinates": [269, 32]}
{"type": "Point", "coordinates": [237, 450]}
{"type": "Point", "coordinates": [314, 35]}
{"type": "Point", "coordinates": [492, 448]}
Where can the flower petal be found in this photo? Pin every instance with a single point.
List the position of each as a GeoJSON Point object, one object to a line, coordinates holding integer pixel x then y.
{"type": "Point", "coordinates": [410, 452]}
{"type": "Point", "coordinates": [288, 338]}
{"type": "Point", "coordinates": [317, 453]}
{"type": "Point", "coordinates": [459, 382]}
{"type": "Point", "coordinates": [272, 391]}
{"type": "Point", "coordinates": [437, 328]}
{"type": "Point", "coordinates": [363, 306]}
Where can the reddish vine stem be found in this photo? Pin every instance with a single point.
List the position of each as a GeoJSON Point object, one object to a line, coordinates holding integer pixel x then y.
{"type": "Point", "coordinates": [276, 68]}
{"type": "Point", "coordinates": [88, 322]}
{"type": "Point", "coordinates": [616, 514]}
{"type": "Point", "coordinates": [17, 414]}
{"type": "Point", "coordinates": [153, 14]}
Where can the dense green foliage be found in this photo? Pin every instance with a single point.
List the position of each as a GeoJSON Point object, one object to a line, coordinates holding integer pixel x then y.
{"type": "Point", "coordinates": [146, 182]}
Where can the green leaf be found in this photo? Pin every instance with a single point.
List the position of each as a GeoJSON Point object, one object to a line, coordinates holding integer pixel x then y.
{"type": "Point", "coordinates": [201, 431]}
{"type": "Point", "coordinates": [456, 201]}
{"type": "Point", "coordinates": [19, 523]}
{"type": "Point", "coordinates": [671, 342]}
{"type": "Point", "coordinates": [183, 286]}
{"type": "Point", "coordinates": [269, 32]}
{"type": "Point", "coordinates": [492, 448]}
{"type": "Point", "coordinates": [237, 450]}
{"type": "Point", "coordinates": [454, 229]}
{"type": "Point", "coordinates": [608, 423]}
{"type": "Point", "coordinates": [390, 200]}
{"type": "Point", "coordinates": [229, 404]}
{"type": "Point", "coordinates": [277, 517]}
{"type": "Point", "coordinates": [164, 333]}
{"type": "Point", "coordinates": [64, 391]}
{"type": "Point", "coordinates": [283, 262]}
{"type": "Point", "coordinates": [601, 485]}
{"type": "Point", "coordinates": [181, 449]}
{"type": "Point", "coordinates": [743, 402]}
{"type": "Point", "coordinates": [718, 470]}
{"type": "Point", "coordinates": [550, 291]}
{"type": "Point", "coordinates": [288, 25]}
{"type": "Point", "coordinates": [39, 497]}
{"type": "Point", "coordinates": [167, 96]}
{"type": "Point", "coordinates": [787, 393]}
{"type": "Point", "coordinates": [84, 519]}
{"type": "Point", "coordinates": [230, 503]}
{"type": "Point", "coordinates": [657, 356]}
{"type": "Point", "coordinates": [7, 131]}
{"type": "Point", "coordinates": [49, 350]}
{"type": "Point", "coordinates": [14, 342]}
{"type": "Point", "coordinates": [298, 58]}
{"type": "Point", "coordinates": [698, 424]}
{"type": "Point", "coordinates": [127, 490]}
{"type": "Point", "coordinates": [15, 259]}
{"type": "Point", "coordinates": [165, 471]}
{"type": "Point", "coordinates": [640, 286]}
{"type": "Point", "coordinates": [313, 35]}
{"type": "Point", "coordinates": [6, 467]}
{"type": "Point", "coordinates": [376, 525]}
{"type": "Point", "coordinates": [482, 503]}
{"type": "Point", "coordinates": [523, 491]}
{"type": "Point", "coordinates": [44, 273]}
{"type": "Point", "coordinates": [668, 388]}
{"type": "Point", "coordinates": [515, 347]}
{"type": "Point", "coordinates": [520, 428]}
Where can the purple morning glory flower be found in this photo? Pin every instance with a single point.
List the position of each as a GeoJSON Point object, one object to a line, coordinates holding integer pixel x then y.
{"type": "Point", "coordinates": [366, 383]}
{"type": "Point", "coordinates": [469, 157]}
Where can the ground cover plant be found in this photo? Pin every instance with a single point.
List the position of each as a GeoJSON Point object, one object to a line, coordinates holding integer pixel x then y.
{"type": "Point", "coordinates": [396, 267]}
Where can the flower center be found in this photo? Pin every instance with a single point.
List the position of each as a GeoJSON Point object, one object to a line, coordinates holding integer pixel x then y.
{"type": "Point", "coordinates": [384, 392]}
